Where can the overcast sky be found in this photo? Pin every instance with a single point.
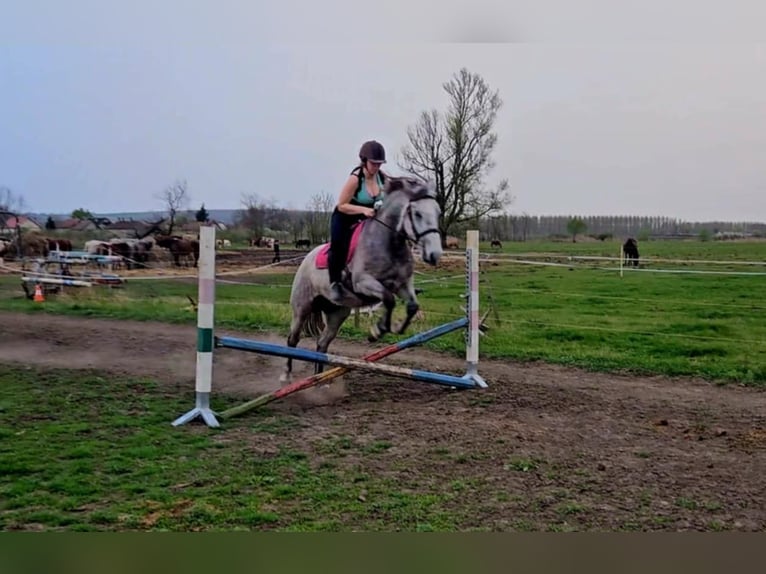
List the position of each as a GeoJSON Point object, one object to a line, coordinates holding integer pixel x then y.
{"type": "Point", "coordinates": [103, 107]}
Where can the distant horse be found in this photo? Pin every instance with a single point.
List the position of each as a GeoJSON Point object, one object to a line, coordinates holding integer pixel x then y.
{"type": "Point", "coordinates": [302, 243]}
{"type": "Point", "coordinates": [180, 247]}
{"type": "Point", "coordinates": [496, 243]}
{"type": "Point", "coordinates": [379, 267]}
{"type": "Point", "coordinates": [58, 244]}
{"type": "Point", "coordinates": [134, 253]}
{"type": "Point", "coordinates": [630, 248]}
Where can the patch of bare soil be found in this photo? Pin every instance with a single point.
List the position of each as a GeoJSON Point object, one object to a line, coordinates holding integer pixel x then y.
{"type": "Point", "coordinates": [545, 447]}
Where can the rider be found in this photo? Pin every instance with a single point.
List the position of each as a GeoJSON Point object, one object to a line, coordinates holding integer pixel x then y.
{"type": "Point", "coordinates": [358, 200]}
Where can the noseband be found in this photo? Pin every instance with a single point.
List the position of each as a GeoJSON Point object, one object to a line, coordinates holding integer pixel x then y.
{"type": "Point", "coordinates": [418, 235]}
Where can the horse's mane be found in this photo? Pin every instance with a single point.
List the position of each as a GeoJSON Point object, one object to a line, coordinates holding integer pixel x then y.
{"type": "Point", "coordinates": [413, 187]}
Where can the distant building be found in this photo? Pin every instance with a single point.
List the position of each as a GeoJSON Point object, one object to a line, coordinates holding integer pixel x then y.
{"type": "Point", "coordinates": [73, 224]}
{"type": "Point", "coordinates": [9, 224]}
{"type": "Point", "coordinates": [129, 228]}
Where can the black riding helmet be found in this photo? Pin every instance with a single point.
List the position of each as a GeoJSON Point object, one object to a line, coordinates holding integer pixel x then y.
{"type": "Point", "coordinates": [372, 151]}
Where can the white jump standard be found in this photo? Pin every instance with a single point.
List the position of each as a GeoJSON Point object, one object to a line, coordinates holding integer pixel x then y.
{"type": "Point", "coordinates": [207, 342]}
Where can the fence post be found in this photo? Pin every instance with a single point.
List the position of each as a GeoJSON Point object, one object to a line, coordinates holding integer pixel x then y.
{"type": "Point", "coordinates": [622, 257]}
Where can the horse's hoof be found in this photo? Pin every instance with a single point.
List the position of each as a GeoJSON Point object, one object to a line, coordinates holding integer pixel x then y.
{"type": "Point", "coordinates": [285, 378]}
{"type": "Point", "coordinates": [400, 328]}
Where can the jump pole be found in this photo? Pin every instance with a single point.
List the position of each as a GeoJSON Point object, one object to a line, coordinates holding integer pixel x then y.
{"type": "Point", "coordinates": [327, 376]}
{"type": "Point", "coordinates": [205, 315]}
{"type": "Point", "coordinates": [331, 359]}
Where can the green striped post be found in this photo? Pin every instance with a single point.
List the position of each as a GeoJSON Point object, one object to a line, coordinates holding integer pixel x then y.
{"type": "Point", "coordinates": [472, 308]}
{"type": "Point", "coordinates": [205, 317]}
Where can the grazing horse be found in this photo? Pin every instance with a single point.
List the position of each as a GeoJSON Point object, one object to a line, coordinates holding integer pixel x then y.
{"type": "Point", "coordinates": [496, 243]}
{"type": "Point", "coordinates": [179, 247]}
{"type": "Point", "coordinates": [302, 243]}
{"type": "Point", "coordinates": [630, 247]}
{"type": "Point", "coordinates": [380, 267]}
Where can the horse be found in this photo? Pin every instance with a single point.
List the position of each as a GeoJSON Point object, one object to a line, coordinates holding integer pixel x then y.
{"type": "Point", "coordinates": [630, 247]}
{"type": "Point", "coordinates": [496, 243]}
{"type": "Point", "coordinates": [179, 247]}
{"type": "Point", "coordinates": [58, 244]}
{"type": "Point", "coordinates": [302, 243]}
{"type": "Point", "coordinates": [452, 243]}
{"type": "Point", "coordinates": [379, 267]}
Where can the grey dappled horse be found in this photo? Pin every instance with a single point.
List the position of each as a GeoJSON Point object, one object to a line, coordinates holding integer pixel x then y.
{"type": "Point", "coordinates": [381, 268]}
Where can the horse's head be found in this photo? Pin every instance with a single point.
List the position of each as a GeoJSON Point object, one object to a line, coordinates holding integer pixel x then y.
{"type": "Point", "coordinates": [417, 214]}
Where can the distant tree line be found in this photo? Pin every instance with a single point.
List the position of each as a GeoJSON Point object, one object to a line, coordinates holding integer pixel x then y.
{"type": "Point", "coordinates": [521, 227]}
{"type": "Point", "coordinates": [260, 218]}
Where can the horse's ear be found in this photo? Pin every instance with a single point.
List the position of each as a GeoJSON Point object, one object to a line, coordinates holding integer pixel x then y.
{"type": "Point", "coordinates": [394, 184]}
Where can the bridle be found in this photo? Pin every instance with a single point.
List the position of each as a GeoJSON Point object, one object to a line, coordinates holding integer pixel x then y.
{"type": "Point", "coordinates": [418, 235]}
{"type": "Point", "coordinates": [401, 231]}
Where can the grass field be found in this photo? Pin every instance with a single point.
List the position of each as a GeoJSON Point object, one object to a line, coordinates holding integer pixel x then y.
{"type": "Point", "coordinates": [101, 456]}
{"type": "Point", "coordinates": [713, 326]}
{"type": "Point", "coordinates": [80, 451]}
{"type": "Point", "coordinates": [541, 449]}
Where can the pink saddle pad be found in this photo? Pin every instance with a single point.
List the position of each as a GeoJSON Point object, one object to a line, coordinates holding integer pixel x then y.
{"type": "Point", "coordinates": [322, 259]}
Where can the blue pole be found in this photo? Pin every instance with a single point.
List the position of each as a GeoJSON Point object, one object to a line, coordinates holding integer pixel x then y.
{"type": "Point", "coordinates": [326, 358]}
{"type": "Point", "coordinates": [425, 336]}
{"type": "Point", "coordinates": [327, 376]}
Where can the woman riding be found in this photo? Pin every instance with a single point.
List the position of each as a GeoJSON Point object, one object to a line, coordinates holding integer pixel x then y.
{"type": "Point", "coordinates": [358, 200]}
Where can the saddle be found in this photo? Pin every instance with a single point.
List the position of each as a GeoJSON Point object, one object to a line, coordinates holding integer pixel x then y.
{"type": "Point", "coordinates": [323, 257]}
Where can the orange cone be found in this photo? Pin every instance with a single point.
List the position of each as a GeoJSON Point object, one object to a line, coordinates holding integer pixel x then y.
{"type": "Point", "coordinates": [38, 298]}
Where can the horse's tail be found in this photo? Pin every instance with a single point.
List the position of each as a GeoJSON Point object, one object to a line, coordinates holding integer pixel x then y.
{"type": "Point", "coordinates": [314, 325]}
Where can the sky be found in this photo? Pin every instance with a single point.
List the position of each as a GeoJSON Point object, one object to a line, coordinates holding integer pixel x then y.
{"type": "Point", "coordinates": [605, 112]}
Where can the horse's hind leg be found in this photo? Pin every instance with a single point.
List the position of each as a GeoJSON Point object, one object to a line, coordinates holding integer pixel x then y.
{"type": "Point", "coordinates": [334, 318]}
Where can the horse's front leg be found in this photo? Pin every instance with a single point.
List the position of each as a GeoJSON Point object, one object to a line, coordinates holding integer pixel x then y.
{"type": "Point", "coordinates": [407, 293]}
{"type": "Point", "coordinates": [368, 285]}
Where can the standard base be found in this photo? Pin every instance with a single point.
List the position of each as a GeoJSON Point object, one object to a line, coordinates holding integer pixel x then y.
{"type": "Point", "coordinates": [202, 409]}
{"type": "Point", "coordinates": [477, 379]}
{"type": "Point", "coordinates": [472, 374]}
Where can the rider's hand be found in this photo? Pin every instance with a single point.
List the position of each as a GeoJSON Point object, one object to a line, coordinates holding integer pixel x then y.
{"type": "Point", "coordinates": [369, 212]}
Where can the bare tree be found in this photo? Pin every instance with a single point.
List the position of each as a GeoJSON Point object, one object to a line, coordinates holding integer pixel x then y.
{"type": "Point", "coordinates": [253, 214]}
{"type": "Point", "coordinates": [298, 223]}
{"type": "Point", "coordinates": [175, 197]}
{"type": "Point", "coordinates": [10, 201]}
{"type": "Point", "coordinates": [455, 149]}
{"type": "Point", "coordinates": [320, 208]}
{"type": "Point", "coordinates": [277, 218]}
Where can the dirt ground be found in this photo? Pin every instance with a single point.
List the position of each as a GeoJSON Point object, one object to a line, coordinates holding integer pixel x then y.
{"type": "Point", "coordinates": [544, 444]}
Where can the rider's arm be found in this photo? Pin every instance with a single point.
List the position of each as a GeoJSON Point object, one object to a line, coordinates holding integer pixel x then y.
{"type": "Point", "coordinates": [346, 193]}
